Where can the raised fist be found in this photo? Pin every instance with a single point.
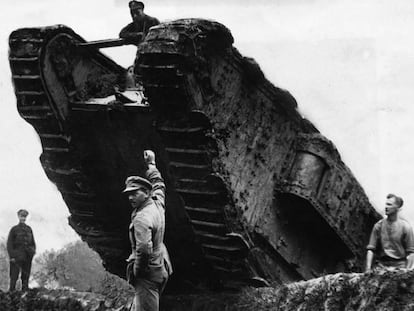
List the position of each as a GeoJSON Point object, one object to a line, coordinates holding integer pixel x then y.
{"type": "Point", "coordinates": [149, 157]}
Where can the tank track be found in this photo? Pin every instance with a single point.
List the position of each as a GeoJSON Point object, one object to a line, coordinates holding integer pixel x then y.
{"type": "Point", "coordinates": [191, 147]}
{"type": "Point", "coordinates": [36, 106]}
{"type": "Point", "coordinates": [191, 150]}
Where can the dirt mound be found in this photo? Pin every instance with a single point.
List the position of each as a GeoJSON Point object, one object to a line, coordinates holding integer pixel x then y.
{"type": "Point", "coordinates": [379, 290]}
{"type": "Point", "coordinates": [56, 300]}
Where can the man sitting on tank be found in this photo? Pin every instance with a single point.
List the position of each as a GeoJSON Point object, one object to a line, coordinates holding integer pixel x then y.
{"type": "Point", "coordinates": [136, 31]}
{"type": "Point", "coordinates": [392, 239]}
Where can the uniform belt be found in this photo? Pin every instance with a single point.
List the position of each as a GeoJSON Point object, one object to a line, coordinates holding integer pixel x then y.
{"type": "Point", "coordinates": [157, 251]}
{"type": "Point", "coordinates": [386, 258]}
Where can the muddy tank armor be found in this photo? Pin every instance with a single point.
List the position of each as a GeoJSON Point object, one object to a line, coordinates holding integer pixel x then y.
{"type": "Point", "coordinates": [256, 195]}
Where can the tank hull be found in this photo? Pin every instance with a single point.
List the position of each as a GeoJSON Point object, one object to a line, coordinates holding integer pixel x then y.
{"type": "Point", "coordinates": [255, 194]}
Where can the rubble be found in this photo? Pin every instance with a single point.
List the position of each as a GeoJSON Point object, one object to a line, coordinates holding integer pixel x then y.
{"type": "Point", "coordinates": [378, 290]}
{"type": "Point", "coordinates": [43, 299]}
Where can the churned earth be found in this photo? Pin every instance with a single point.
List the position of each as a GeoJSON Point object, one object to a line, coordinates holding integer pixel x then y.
{"type": "Point", "coordinates": [377, 290]}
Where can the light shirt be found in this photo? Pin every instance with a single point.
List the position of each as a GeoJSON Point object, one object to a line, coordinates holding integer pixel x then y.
{"type": "Point", "coordinates": [394, 239]}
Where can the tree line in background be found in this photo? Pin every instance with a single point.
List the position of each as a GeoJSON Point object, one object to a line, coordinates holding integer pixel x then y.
{"type": "Point", "coordinates": [4, 266]}
{"type": "Point", "coordinates": [75, 266]}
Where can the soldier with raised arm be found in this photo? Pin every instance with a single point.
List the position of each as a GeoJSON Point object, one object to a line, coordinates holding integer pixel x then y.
{"type": "Point", "coordinates": [149, 265]}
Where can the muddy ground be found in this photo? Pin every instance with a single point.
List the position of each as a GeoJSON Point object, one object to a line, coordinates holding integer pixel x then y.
{"type": "Point", "coordinates": [379, 290]}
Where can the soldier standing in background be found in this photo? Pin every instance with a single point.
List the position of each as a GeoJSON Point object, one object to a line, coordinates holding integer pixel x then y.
{"type": "Point", "coordinates": [141, 23]}
{"type": "Point", "coordinates": [149, 264]}
{"type": "Point", "coordinates": [21, 248]}
{"type": "Point", "coordinates": [392, 239]}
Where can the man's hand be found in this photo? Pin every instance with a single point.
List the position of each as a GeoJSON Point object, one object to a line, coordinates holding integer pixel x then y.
{"type": "Point", "coordinates": [410, 261]}
{"type": "Point", "coordinates": [149, 157]}
{"type": "Point", "coordinates": [12, 260]}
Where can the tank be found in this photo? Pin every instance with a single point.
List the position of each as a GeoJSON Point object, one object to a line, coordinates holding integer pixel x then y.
{"type": "Point", "coordinates": [255, 194]}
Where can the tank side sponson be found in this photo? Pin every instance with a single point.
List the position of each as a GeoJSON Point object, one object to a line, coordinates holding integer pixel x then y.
{"type": "Point", "coordinates": [315, 172]}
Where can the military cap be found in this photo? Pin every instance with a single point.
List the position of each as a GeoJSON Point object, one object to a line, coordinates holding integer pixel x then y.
{"type": "Point", "coordinates": [136, 4]}
{"type": "Point", "coordinates": [22, 212]}
{"type": "Point", "coordinates": [135, 182]}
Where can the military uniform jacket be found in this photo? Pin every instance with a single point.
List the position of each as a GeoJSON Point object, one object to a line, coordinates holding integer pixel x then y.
{"type": "Point", "coordinates": [143, 25]}
{"type": "Point", "coordinates": [146, 233]}
{"type": "Point", "coordinates": [20, 243]}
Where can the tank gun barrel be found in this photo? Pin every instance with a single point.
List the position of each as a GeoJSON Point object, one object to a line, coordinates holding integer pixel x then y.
{"type": "Point", "coordinates": [106, 43]}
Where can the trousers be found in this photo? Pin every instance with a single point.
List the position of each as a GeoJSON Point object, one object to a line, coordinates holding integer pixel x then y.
{"type": "Point", "coordinates": [147, 295]}
{"type": "Point", "coordinates": [23, 268]}
{"type": "Point", "coordinates": [392, 263]}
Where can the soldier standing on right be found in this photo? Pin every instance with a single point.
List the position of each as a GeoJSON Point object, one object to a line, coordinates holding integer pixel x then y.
{"type": "Point", "coordinates": [21, 248]}
{"type": "Point", "coordinates": [392, 239]}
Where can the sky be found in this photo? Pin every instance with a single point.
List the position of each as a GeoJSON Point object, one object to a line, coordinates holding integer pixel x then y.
{"type": "Point", "coordinates": [349, 64]}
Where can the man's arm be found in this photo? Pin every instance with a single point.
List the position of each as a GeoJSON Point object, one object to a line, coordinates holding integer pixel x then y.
{"type": "Point", "coordinates": [10, 245]}
{"type": "Point", "coordinates": [409, 246]}
{"type": "Point", "coordinates": [32, 242]}
{"type": "Point", "coordinates": [410, 261]}
{"type": "Point", "coordinates": [154, 22]}
{"type": "Point", "coordinates": [149, 22]}
{"type": "Point", "coordinates": [372, 245]}
{"type": "Point", "coordinates": [154, 176]}
{"type": "Point", "coordinates": [129, 33]}
{"type": "Point", "coordinates": [370, 258]}
{"type": "Point", "coordinates": [143, 246]}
